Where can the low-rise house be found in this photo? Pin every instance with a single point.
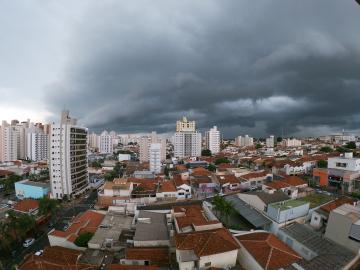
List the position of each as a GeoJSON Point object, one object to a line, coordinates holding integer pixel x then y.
{"type": "Point", "coordinates": [255, 179]}
{"type": "Point", "coordinates": [85, 222]}
{"type": "Point", "coordinates": [227, 182]}
{"type": "Point", "coordinates": [183, 187]}
{"type": "Point", "coordinates": [292, 186]}
{"type": "Point", "coordinates": [56, 258]}
{"type": "Point", "coordinates": [264, 251]}
{"type": "Point", "coordinates": [108, 232]}
{"type": "Point", "coordinates": [29, 189]}
{"type": "Point", "coordinates": [343, 226]}
{"type": "Point", "coordinates": [151, 230]}
{"type": "Point", "coordinates": [320, 216]}
{"type": "Point", "coordinates": [27, 206]}
{"type": "Point", "coordinates": [119, 189]}
{"type": "Point", "coordinates": [147, 256]}
{"type": "Point", "coordinates": [282, 212]}
{"type": "Point", "coordinates": [317, 251]}
{"type": "Point", "coordinates": [167, 191]}
{"type": "Point", "coordinates": [261, 199]}
{"type": "Point", "coordinates": [189, 218]}
{"type": "Point", "coordinates": [205, 249]}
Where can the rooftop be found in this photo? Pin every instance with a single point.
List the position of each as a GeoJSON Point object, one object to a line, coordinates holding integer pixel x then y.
{"type": "Point", "coordinates": [267, 198]}
{"type": "Point", "coordinates": [158, 256]}
{"type": "Point", "coordinates": [288, 204]}
{"type": "Point", "coordinates": [151, 226]}
{"type": "Point", "coordinates": [338, 202]}
{"type": "Point", "coordinates": [56, 258]}
{"type": "Point", "coordinates": [35, 184]}
{"type": "Point", "coordinates": [26, 205]}
{"type": "Point", "coordinates": [205, 243]}
{"type": "Point", "coordinates": [331, 256]}
{"type": "Point", "coordinates": [316, 199]}
{"type": "Point", "coordinates": [268, 250]}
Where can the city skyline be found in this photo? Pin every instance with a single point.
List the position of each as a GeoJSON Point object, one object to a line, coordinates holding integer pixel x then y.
{"type": "Point", "coordinates": [135, 67]}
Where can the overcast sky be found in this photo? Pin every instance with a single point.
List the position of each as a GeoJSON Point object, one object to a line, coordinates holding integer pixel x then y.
{"type": "Point", "coordinates": [249, 67]}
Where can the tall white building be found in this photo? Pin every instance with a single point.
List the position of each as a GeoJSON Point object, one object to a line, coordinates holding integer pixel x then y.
{"type": "Point", "coordinates": [21, 129]}
{"type": "Point", "coordinates": [37, 143]}
{"type": "Point", "coordinates": [184, 125]}
{"type": "Point", "coordinates": [106, 143]}
{"type": "Point", "coordinates": [155, 157]}
{"type": "Point", "coordinates": [8, 142]}
{"type": "Point", "coordinates": [212, 138]}
{"type": "Point", "coordinates": [68, 158]}
{"type": "Point", "coordinates": [187, 141]}
{"type": "Point", "coordinates": [94, 141]}
{"type": "Point", "coordinates": [244, 141]}
{"type": "Point", "coordinates": [146, 141]}
{"type": "Point", "coordinates": [270, 142]}
{"type": "Point", "coordinates": [291, 142]}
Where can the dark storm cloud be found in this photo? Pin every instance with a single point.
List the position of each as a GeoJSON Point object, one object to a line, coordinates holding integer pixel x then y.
{"type": "Point", "coordinates": [258, 66]}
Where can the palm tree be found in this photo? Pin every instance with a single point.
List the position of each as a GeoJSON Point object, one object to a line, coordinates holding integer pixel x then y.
{"type": "Point", "coordinates": [223, 207]}
{"type": "Point", "coordinates": [48, 206]}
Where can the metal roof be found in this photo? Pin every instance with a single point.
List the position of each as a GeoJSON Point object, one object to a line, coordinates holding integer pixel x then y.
{"type": "Point", "coordinates": [253, 216]}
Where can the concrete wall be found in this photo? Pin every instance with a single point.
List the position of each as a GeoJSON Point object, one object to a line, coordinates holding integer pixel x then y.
{"type": "Point", "coordinates": [155, 243]}
{"type": "Point", "coordinates": [224, 260]}
{"type": "Point", "coordinates": [62, 242]}
{"type": "Point", "coordinates": [27, 191]}
{"type": "Point", "coordinates": [246, 260]}
{"type": "Point", "coordinates": [253, 201]}
{"type": "Point", "coordinates": [283, 215]}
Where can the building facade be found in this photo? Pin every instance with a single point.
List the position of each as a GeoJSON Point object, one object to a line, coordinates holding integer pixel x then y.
{"type": "Point", "coordinates": [213, 140]}
{"type": "Point", "coordinates": [68, 158]}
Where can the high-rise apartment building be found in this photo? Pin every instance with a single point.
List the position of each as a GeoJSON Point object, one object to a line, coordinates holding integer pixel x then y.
{"type": "Point", "coordinates": [37, 144]}
{"type": "Point", "coordinates": [21, 129]}
{"type": "Point", "coordinates": [187, 141]}
{"type": "Point", "coordinates": [106, 144]}
{"type": "Point", "coordinates": [8, 142]}
{"type": "Point", "coordinates": [94, 141]}
{"type": "Point", "coordinates": [184, 125]}
{"type": "Point", "coordinates": [270, 142]}
{"type": "Point", "coordinates": [155, 157]}
{"type": "Point", "coordinates": [212, 140]}
{"type": "Point", "coordinates": [244, 141]}
{"type": "Point", "coordinates": [291, 142]}
{"type": "Point", "coordinates": [145, 143]}
{"type": "Point", "coordinates": [68, 158]}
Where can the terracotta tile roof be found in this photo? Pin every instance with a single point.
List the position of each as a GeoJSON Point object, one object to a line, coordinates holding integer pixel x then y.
{"type": "Point", "coordinates": [200, 171]}
{"type": "Point", "coordinates": [253, 175]}
{"type": "Point", "coordinates": [26, 205]}
{"type": "Point", "coordinates": [338, 202]}
{"type": "Point", "coordinates": [167, 186]}
{"type": "Point", "coordinates": [181, 168]}
{"type": "Point", "coordinates": [56, 258]}
{"type": "Point", "coordinates": [158, 256]}
{"type": "Point", "coordinates": [269, 251]}
{"type": "Point", "coordinates": [189, 215]}
{"type": "Point", "coordinates": [294, 181]}
{"type": "Point", "coordinates": [131, 267]}
{"type": "Point", "coordinates": [205, 243]}
{"type": "Point", "coordinates": [5, 173]}
{"type": "Point", "coordinates": [276, 184]}
{"type": "Point", "coordinates": [142, 180]}
{"type": "Point", "coordinates": [86, 222]}
{"type": "Point", "coordinates": [228, 178]}
{"type": "Point", "coordinates": [178, 181]}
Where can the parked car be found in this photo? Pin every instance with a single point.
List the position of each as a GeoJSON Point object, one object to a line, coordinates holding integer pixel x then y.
{"type": "Point", "coordinates": [39, 252]}
{"type": "Point", "coordinates": [28, 242]}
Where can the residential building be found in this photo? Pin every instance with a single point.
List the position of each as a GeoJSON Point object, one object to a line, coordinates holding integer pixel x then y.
{"type": "Point", "coordinates": [187, 144]}
{"type": "Point", "coordinates": [184, 125]}
{"type": "Point", "coordinates": [147, 256]}
{"type": "Point", "coordinates": [291, 142]}
{"type": "Point", "coordinates": [8, 142]}
{"type": "Point", "coordinates": [21, 139]}
{"type": "Point", "coordinates": [37, 143]}
{"type": "Point", "coordinates": [26, 189]}
{"type": "Point", "coordinates": [106, 144]}
{"type": "Point", "coordinates": [145, 142]}
{"type": "Point", "coordinates": [202, 249]}
{"type": "Point", "coordinates": [68, 158]}
{"type": "Point", "coordinates": [282, 212]}
{"type": "Point", "coordinates": [261, 199]}
{"type": "Point", "coordinates": [151, 230]}
{"type": "Point", "coordinates": [85, 222]}
{"type": "Point", "coordinates": [27, 206]}
{"type": "Point", "coordinates": [94, 141]}
{"type": "Point", "coordinates": [244, 141]}
{"type": "Point", "coordinates": [343, 226]}
{"type": "Point", "coordinates": [263, 250]}
{"type": "Point", "coordinates": [155, 157]}
{"type": "Point", "coordinates": [317, 251]}
{"type": "Point", "coordinates": [213, 139]}
{"type": "Point", "coordinates": [270, 142]}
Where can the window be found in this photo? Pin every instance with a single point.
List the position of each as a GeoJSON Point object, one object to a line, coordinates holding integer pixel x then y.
{"type": "Point", "coordinates": [208, 264]}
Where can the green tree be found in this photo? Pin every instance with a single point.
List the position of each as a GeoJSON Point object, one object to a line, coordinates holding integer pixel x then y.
{"type": "Point", "coordinates": [326, 149]}
{"type": "Point", "coordinates": [223, 207]}
{"type": "Point", "coordinates": [83, 239]}
{"type": "Point", "coordinates": [206, 153]}
{"type": "Point", "coordinates": [258, 146]}
{"type": "Point", "coordinates": [341, 149]}
{"type": "Point", "coordinates": [221, 160]}
{"type": "Point", "coordinates": [351, 145]}
{"type": "Point", "coordinates": [48, 206]}
{"type": "Point", "coordinates": [279, 139]}
{"type": "Point", "coordinates": [9, 183]}
{"type": "Point", "coordinates": [211, 167]}
{"type": "Point", "coordinates": [322, 163]}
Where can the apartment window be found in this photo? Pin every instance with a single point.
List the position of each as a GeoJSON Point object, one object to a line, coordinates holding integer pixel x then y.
{"type": "Point", "coordinates": [208, 264]}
